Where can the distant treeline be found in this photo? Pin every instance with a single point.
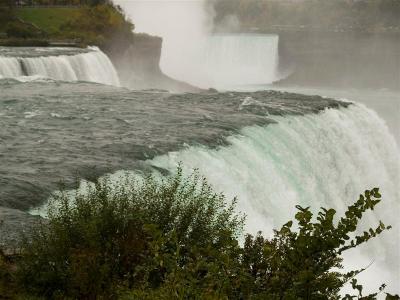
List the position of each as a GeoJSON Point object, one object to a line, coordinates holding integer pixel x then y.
{"type": "Point", "coordinates": [332, 15]}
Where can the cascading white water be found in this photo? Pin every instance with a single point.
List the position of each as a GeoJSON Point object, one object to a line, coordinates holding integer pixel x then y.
{"type": "Point", "coordinates": [93, 66]}
{"type": "Point", "coordinates": [9, 67]}
{"type": "Point", "coordinates": [232, 60]}
{"type": "Point", "coordinates": [225, 61]}
{"type": "Point", "coordinates": [190, 52]}
{"type": "Point", "coordinates": [325, 159]}
{"type": "Point", "coordinates": [315, 160]}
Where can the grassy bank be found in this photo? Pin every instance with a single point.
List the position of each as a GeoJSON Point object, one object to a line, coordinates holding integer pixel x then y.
{"type": "Point", "coordinates": [49, 20]}
{"type": "Point", "coordinates": [98, 25]}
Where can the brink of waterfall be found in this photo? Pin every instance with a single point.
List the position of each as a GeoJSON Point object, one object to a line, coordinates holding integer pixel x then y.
{"type": "Point", "coordinates": [64, 64]}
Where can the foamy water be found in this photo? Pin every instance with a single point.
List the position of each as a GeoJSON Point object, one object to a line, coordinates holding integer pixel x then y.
{"type": "Point", "coordinates": [92, 65]}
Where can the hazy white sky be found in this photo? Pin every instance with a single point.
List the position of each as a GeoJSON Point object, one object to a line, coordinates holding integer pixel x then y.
{"type": "Point", "coordinates": [167, 18]}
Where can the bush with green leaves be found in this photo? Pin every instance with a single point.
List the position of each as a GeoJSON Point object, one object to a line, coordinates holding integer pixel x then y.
{"type": "Point", "coordinates": [176, 238]}
{"type": "Point", "coordinates": [17, 29]}
{"type": "Point", "coordinates": [109, 237]}
{"type": "Point", "coordinates": [301, 264]}
{"type": "Point", "coordinates": [294, 264]}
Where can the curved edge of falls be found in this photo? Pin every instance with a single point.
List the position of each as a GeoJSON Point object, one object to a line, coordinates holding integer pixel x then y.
{"type": "Point", "coordinates": [92, 66]}
{"type": "Point", "coordinates": [325, 159]}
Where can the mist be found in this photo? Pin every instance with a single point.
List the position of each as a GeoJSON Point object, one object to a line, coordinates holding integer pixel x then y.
{"type": "Point", "coordinates": [184, 27]}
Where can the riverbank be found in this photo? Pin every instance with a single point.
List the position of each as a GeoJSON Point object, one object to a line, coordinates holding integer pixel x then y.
{"type": "Point", "coordinates": [87, 25]}
{"type": "Point", "coordinates": [40, 43]}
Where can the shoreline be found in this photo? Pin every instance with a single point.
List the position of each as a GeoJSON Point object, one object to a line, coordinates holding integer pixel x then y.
{"type": "Point", "coordinates": [40, 43]}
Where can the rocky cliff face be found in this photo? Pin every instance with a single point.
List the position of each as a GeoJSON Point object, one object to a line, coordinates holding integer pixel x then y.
{"type": "Point", "coordinates": [340, 59]}
{"type": "Point", "coordinates": [138, 63]}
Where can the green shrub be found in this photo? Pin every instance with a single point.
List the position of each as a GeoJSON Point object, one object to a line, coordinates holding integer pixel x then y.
{"type": "Point", "coordinates": [100, 25]}
{"type": "Point", "coordinates": [300, 264]}
{"type": "Point", "coordinates": [108, 238]}
{"type": "Point", "coordinates": [177, 239]}
{"type": "Point", "coordinates": [19, 30]}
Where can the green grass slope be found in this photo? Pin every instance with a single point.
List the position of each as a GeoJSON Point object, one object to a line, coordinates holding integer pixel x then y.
{"type": "Point", "coordinates": [48, 19]}
{"type": "Point", "coordinates": [98, 25]}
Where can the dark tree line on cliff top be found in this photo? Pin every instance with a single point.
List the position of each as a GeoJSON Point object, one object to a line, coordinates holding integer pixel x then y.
{"type": "Point", "coordinates": [361, 15]}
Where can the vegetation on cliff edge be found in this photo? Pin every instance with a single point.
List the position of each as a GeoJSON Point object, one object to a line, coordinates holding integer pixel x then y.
{"type": "Point", "coordinates": [99, 24]}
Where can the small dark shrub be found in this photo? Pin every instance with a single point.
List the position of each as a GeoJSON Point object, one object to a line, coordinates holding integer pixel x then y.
{"type": "Point", "coordinates": [19, 30]}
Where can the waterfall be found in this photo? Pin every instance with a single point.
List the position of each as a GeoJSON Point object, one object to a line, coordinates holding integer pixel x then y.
{"type": "Point", "coordinates": [318, 160]}
{"type": "Point", "coordinates": [10, 67]}
{"type": "Point", "coordinates": [324, 159]}
{"type": "Point", "coordinates": [233, 60]}
{"type": "Point", "coordinates": [224, 61]}
{"type": "Point", "coordinates": [190, 52]}
{"type": "Point", "coordinates": [93, 66]}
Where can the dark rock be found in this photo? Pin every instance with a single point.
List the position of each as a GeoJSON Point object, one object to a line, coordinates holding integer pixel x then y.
{"type": "Point", "coordinates": [138, 65]}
